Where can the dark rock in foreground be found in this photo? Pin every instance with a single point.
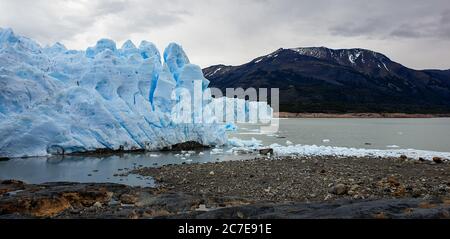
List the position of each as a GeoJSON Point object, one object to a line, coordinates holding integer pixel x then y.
{"type": "Point", "coordinates": [367, 209]}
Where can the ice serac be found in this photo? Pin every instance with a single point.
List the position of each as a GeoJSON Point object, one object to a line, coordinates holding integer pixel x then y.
{"type": "Point", "coordinates": [58, 101]}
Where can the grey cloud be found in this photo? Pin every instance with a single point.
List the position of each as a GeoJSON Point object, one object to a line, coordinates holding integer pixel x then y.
{"type": "Point", "coordinates": [235, 31]}
{"type": "Point", "coordinates": [110, 7]}
{"type": "Point", "coordinates": [366, 27]}
{"type": "Point", "coordinates": [439, 27]}
{"type": "Point", "coordinates": [398, 21]}
{"type": "Point", "coordinates": [50, 21]}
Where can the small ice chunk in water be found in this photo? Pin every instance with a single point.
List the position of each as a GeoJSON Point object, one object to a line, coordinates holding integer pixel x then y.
{"type": "Point", "coordinates": [326, 140]}
{"type": "Point", "coordinates": [289, 142]}
{"type": "Point", "coordinates": [235, 142]}
{"type": "Point", "coordinates": [216, 151]}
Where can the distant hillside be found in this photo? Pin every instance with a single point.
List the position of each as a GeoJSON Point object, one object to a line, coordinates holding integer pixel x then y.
{"type": "Point", "coordinates": [319, 79]}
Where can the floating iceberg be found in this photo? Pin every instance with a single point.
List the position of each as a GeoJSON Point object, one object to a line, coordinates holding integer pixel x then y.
{"type": "Point", "coordinates": [239, 143]}
{"type": "Point", "coordinates": [59, 101]}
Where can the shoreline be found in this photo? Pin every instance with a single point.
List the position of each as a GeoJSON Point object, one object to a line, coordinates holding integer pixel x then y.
{"type": "Point", "coordinates": [285, 187]}
{"type": "Point", "coordinates": [358, 115]}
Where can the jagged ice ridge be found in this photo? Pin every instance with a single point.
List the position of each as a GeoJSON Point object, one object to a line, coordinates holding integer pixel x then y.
{"type": "Point", "coordinates": [58, 101]}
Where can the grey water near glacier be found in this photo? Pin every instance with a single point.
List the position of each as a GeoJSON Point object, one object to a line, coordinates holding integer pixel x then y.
{"type": "Point", "coordinates": [431, 134]}
{"type": "Point", "coordinates": [424, 134]}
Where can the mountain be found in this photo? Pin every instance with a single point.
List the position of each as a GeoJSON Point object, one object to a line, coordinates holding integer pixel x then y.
{"type": "Point", "coordinates": [319, 79]}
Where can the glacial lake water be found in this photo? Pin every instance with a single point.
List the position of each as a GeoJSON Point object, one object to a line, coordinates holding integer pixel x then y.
{"type": "Point", "coordinates": [425, 134]}
{"type": "Point", "coordinates": [431, 134]}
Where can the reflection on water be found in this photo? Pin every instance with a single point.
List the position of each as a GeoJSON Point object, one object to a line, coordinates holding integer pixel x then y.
{"type": "Point", "coordinates": [99, 169]}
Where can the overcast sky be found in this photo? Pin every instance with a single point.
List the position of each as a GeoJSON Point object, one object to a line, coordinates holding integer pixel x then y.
{"type": "Point", "coordinates": [415, 33]}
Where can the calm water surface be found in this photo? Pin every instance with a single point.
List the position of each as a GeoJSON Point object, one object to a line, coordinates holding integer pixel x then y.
{"type": "Point", "coordinates": [424, 134]}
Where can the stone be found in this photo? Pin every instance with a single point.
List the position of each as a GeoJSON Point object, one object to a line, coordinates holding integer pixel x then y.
{"type": "Point", "coordinates": [10, 186]}
{"type": "Point", "coordinates": [393, 181]}
{"type": "Point", "coordinates": [11, 182]}
{"type": "Point", "coordinates": [128, 199]}
{"type": "Point", "coordinates": [133, 215]}
{"type": "Point", "coordinates": [354, 187]}
{"type": "Point", "coordinates": [328, 197]}
{"type": "Point", "coordinates": [380, 215]}
{"type": "Point", "coordinates": [437, 160]}
{"type": "Point", "coordinates": [189, 145]}
{"type": "Point", "coordinates": [156, 213]}
{"type": "Point", "coordinates": [47, 207]}
{"type": "Point", "coordinates": [266, 151]}
{"type": "Point", "coordinates": [339, 189]}
{"type": "Point", "coordinates": [202, 208]}
{"type": "Point", "coordinates": [87, 197]}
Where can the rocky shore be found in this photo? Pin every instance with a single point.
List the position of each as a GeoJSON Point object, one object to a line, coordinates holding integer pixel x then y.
{"type": "Point", "coordinates": [319, 187]}
{"type": "Point", "coordinates": [357, 115]}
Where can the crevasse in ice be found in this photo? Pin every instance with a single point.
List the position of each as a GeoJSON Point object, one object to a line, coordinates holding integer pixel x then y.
{"type": "Point", "coordinates": [54, 100]}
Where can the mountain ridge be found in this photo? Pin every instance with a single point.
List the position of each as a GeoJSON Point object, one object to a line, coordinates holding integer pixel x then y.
{"type": "Point", "coordinates": [320, 79]}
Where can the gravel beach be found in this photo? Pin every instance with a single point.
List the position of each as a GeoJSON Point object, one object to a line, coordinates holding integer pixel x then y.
{"type": "Point", "coordinates": [308, 179]}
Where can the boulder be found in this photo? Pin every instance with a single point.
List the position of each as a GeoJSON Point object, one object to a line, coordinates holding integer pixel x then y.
{"type": "Point", "coordinates": [266, 151]}
{"type": "Point", "coordinates": [438, 160]}
{"type": "Point", "coordinates": [339, 189]}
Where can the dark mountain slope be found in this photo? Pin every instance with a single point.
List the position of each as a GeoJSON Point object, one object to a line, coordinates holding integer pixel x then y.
{"type": "Point", "coordinates": [336, 81]}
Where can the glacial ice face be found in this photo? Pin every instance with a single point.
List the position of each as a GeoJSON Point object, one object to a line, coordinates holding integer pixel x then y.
{"type": "Point", "coordinates": [54, 100]}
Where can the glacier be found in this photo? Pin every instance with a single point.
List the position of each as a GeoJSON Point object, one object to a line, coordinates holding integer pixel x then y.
{"type": "Point", "coordinates": [59, 101]}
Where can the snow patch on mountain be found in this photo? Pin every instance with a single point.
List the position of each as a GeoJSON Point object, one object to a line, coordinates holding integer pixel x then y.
{"type": "Point", "coordinates": [345, 56]}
